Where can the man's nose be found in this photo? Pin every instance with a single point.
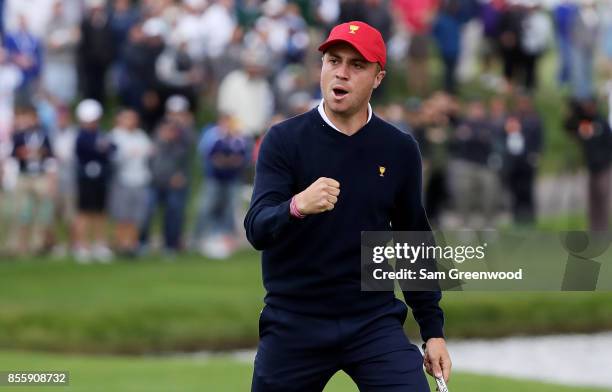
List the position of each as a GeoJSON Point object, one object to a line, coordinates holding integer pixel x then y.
{"type": "Point", "coordinates": [342, 71]}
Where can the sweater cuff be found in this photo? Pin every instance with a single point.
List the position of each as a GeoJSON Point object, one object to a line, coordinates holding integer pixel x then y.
{"type": "Point", "coordinates": [431, 331]}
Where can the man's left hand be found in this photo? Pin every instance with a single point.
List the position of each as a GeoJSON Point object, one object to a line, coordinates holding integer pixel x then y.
{"type": "Point", "coordinates": [437, 361]}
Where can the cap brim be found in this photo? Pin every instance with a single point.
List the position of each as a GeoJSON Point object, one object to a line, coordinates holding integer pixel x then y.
{"type": "Point", "coordinates": [325, 45]}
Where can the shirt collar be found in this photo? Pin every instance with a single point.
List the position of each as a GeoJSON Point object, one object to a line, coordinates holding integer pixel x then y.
{"type": "Point", "coordinates": [328, 121]}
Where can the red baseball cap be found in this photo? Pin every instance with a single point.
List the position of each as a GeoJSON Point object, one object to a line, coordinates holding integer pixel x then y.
{"type": "Point", "coordinates": [364, 38]}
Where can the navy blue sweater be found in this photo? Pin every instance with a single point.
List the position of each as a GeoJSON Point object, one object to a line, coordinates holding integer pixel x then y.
{"type": "Point", "coordinates": [312, 265]}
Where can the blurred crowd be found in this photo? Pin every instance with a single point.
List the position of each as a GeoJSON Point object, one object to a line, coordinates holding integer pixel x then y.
{"type": "Point", "coordinates": [101, 105]}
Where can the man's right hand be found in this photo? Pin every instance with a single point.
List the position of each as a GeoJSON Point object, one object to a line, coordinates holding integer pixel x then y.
{"type": "Point", "coordinates": [319, 197]}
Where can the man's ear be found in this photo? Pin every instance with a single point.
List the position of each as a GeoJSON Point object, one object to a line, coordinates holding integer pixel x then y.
{"type": "Point", "coordinates": [379, 78]}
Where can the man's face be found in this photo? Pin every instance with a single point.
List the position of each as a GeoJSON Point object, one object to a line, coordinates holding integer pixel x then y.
{"type": "Point", "coordinates": [476, 111]}
{"type": "Point", "coordinates": [347, 80]}
{"type": "Point", "coordinates": [30, 118]}
{"type": "Point", "coordinates": [129, 120]}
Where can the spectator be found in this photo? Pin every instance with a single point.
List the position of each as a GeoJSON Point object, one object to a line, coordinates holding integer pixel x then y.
{"type": "Point", "coordinates": [10, 79]}
{"type": "Point", "coordinates": [93, 152]}
{"type": "Point", "coordinates": [564, 15]}
{"type": "Point", "coordinates": [246, 95]}
{"type": "Point", "coordinates": [447, 33]}
{"type": "Point", "coordinates": [417, 16]}
{"type": "Point", "coordinates": [394, 114]}
{"type": "Point", "coordinates": [585, 35]}
{"type": "Point", "coordinates": [130, 87]}
{"type": "Point", "coordinates": [8, 174]}
{"type": "Point", "coordinates": [25, 51]}
{"type": "Point", "coordinates": [189, 28]}
{"type": "Point", "coordinates": [271, 31]}
{"type": "Point", "coordinates": [177, 111]}
{"type": "Point", "coordinates": [523, 145]}
{"type": "Point", "coordinates": [223, 152]}
{"type": "Point", "coordinates": [378, 15]}
{"type": "Point", "coordinates": [510, 43]}
{"type": "Point", "coordinates": [247, 12]}
{"type": "Point", "coordinates": [606, 15]}
{"type": "Point", "coordinates": [2, 20]}
{"type": "Point", "coordinates": [140, 88]}
{"type": "Point", "coordinates": [129, 191]}
{"type": "Point", "coordinates": [536, 38]}
{"type": "Point", "coordinates": [228, 61]}
{"type": "Point", "coordinates": [64, 141]}
{"type": "Point", "coordinates": [292, 81]}
{"type": "Point", "coordinates": [470, 39]}
{"type": "Point", "coordinates": [36, 181]}
{"type": "Point", "coordinates": [490, 16]}
{"type": "Point", "coordinates": [431, 128]}
{"type": "Point", "coordinates": [122, 18]}
{"type": "Point", "coordinates": [96, 51]}
{"type": "Point", "coordinates": [497, 118]}
{"type": "Point", "coordinates": [178, 73]}
{"type": "Point", "coordinates": [218, 24]}
{"type": "Point", "coordinates": [61, 40]}
{"type": "Point", "coordinates": [298, 40]}
{"type": "Point", "coordinates": [595, 137]}
{"type": "Point", "coordinates": [473, 181]}
{"type": "Point", "coordinates": [170, 184]}
{"type": "Point", "coordinates": [327, 13]}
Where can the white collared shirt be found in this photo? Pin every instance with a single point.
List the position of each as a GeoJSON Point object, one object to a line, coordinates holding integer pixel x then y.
{"type": "Point", "coordinates": [328, 121]}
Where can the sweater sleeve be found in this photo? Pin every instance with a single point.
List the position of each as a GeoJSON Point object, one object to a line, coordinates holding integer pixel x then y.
{"type": "Point", "coordinates": [269, 216]}
{"type": "Point", "coordinates": [409, 215]}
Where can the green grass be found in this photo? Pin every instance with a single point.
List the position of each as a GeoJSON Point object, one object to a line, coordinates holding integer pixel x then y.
{"type": "Point", "coordinates": [570, 222]}
{"type": "Point", "coordinates": [194, 303]}
{"type": "Point", "coordinates": [130, 307]}
{"type": "Point", "coordinates": [219, 374]}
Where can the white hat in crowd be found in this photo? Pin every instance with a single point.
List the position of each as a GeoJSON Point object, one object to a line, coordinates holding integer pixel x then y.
{"type": "Point", "coordinates": [95, 3]}
{"type": "Point", "coordinates": [196, 4]}
{"type": "Point", "coordinates": [274, 8]}
{"type": "Point", "coordinates": [155, 27]}
{"type": "Point", "coordinates": [88, 111]}
{"type": "Point", "coordinates": [177, 103]}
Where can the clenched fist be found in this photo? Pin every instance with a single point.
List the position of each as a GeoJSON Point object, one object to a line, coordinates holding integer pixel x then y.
{"type": "Point", "coordinates": [319, 197]}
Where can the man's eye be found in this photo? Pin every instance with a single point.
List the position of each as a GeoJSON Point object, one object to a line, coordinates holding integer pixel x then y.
{"type": "Point", "coordinates": [333, 61]}
{"type": "Point", "coordinates": [358, 65]}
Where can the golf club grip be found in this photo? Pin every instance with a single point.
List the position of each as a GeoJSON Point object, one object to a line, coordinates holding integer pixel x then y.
{"type": "Point", "coordinates": [441, 385]}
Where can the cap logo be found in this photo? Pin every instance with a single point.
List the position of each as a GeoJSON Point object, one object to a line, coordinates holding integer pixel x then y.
{"type": "Point", "coordinates": [353, 28]}
{"type": "Point", "coordinates": [382, 170]}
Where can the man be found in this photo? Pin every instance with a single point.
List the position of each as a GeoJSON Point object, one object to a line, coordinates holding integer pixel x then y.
{"type": "Point", "coordinates": [36, 182]}
{"type": "Point", "coordinates": [319, 183]}
{"type": "Point", "coordinates": [523, 142]}
{"type": "Point", "coordinates": [26, 51]}
{"type": "Point", "coordinates": [93, 152]}
{"type": "Point", "coordinates": [96, 50]}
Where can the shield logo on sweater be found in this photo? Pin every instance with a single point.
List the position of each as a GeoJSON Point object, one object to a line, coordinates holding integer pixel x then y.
{"type": "Point", "coordinates": [381, 170]}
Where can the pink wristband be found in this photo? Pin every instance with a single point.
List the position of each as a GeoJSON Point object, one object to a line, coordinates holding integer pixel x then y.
{"type": "Point", "coordinates": [294, 210]}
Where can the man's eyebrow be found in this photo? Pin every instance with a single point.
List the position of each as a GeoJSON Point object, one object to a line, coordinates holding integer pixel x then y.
{"type": "Point", "coordinates": [353, 59]}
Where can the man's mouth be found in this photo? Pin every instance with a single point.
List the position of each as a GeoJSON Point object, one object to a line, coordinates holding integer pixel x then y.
{"type": "Point", "coordinates": [339, 92]}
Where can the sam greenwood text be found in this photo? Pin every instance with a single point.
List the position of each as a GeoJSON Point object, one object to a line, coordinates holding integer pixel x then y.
{"type": "Point", "coordinates": [424, 274]}
{"type": "Point", "coordinates": [457, 254]}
